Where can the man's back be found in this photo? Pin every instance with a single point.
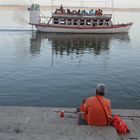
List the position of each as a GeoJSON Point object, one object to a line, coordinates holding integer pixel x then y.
{"type": "Point", "coordinates": [95, 112]}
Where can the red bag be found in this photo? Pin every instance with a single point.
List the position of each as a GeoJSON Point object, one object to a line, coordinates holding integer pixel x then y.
{"type": "Point", "coordinates": [120, 125]}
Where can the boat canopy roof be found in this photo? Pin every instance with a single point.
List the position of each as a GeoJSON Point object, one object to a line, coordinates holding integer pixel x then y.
{"type": "Point", "coordinates": [104, 16]}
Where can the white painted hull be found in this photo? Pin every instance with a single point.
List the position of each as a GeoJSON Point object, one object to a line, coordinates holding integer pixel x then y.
{"type": "Point", "coordinates": [62, 29]}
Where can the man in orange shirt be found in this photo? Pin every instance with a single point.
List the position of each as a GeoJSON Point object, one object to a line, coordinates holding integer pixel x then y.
{"type": "Point", "coordinates": [97, 109]}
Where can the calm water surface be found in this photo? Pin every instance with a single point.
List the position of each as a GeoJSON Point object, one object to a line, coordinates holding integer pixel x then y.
{"type": "Point", "coordinates": [61, 69]}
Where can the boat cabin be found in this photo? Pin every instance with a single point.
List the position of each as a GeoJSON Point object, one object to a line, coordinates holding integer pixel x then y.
{"type": "Point", "coordinates": [80, 18]}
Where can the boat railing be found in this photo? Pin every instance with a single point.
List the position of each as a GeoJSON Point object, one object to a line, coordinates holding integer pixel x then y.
{"type": "Point", "coordinates": [80, 15]}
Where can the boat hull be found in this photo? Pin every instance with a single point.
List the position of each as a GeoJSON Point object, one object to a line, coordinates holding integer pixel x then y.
{"type": "Point", "coordinates": [121, 28]}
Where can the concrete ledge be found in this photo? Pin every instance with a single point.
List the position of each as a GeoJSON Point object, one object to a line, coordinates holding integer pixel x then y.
{"type": "Point", "coordinates": [42, 123]}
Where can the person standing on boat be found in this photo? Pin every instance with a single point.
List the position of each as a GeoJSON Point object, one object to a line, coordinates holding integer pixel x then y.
{"type": "Point", "coordinates": [97, 109]}
{"type": "Point", "coordinates": [61, 9]}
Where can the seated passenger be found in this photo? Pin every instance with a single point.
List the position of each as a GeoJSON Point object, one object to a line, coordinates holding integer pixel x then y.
{"type": "Point", "coordinates": [75, 12]}
{"type": "Point", "coordinates": [78, 12]}
{"type": "Point", "coordinates": [82, 12]}
{"type": "Point", "coordinates": [101, 12]}
{"type": "Point", "coordinates": [97, 109]}
{"type": "Point", "coordinates": [96, 12]}
{"type": "Point", "coordinates": [85, 12]}
{"type": "Point", "coordinates": [68, 11]}
{"type": "Point", "coordinates": [72, 12]}
{"type": "Point", "coordinates": [91, 12]}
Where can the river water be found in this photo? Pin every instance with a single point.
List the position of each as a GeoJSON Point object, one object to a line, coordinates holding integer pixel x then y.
{"type": "Point", "coordinates": [61, 69]}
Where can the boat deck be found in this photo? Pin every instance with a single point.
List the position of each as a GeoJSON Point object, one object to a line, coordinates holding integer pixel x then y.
{"type": "Point", "coordinates": [104, 16]}
{"type": "Point", "coordinates": [42, 123]}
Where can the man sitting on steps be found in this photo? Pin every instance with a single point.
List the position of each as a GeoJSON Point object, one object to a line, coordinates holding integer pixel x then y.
{"type": "Point", "coordinates": [97, 109]}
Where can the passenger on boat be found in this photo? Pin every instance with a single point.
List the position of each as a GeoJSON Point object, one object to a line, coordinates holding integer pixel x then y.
{"type": "Point", "coordinates": [68, 11]}
{"type": "Point", "coordinates": [91, 12]}
{"type": "Point", "coordinates": [97, 109]}
{"type": "Point", "coordinates": [98, 12]}
{"type": "Point", "coordinates": [101, 12]}
{"type": "Point", "coordinates": [61, 9]}
{"type": "Point", "coordinates": [74, 12]}
{"type": "Point", "coordinates": [78, 12]}
{"type": "Point", "coordinates": [84, 12]}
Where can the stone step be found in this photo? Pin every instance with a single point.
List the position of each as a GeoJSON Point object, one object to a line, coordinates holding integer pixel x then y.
{"type": "Point", "coordinates": [23, 123]}
{"type": "Point", "coordinates": [59, 132]}
{"type": "Point", "coordinates": [13, 125]}
{"type": "Point", "coordinates": [58, 128]}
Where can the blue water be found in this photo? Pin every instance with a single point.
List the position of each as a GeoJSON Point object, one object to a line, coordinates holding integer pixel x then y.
{"type": "Point", "coordinates": [61, 69]}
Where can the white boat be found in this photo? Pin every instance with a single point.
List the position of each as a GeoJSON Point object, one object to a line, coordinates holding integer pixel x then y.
{"type": "Point", "coordinates": [66, 21]}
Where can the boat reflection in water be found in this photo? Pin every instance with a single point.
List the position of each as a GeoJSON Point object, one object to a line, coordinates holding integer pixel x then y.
{"type": "Point", "coordinates": [66, 44]}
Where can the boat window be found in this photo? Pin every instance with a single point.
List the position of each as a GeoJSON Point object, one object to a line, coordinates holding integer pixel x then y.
{"type": "Point", "coordinates": [62, 21]}
{"type": "Point", "coordinates": [101, 22]}
{"type": "Point", "coordinates": [55, 20]}
{"type": "Point", "coordinates": [69, 22]}
{"type": "Point", "coordinates": [75, 22]}
{"type": "Point", "coordinates": [106, 22]}
{"type": "Point", "coordinates": [82, 22]}
{"type": "Point", "coordinates": [88, 22]}
{"type": "Point", "coordinates": [94, 22]}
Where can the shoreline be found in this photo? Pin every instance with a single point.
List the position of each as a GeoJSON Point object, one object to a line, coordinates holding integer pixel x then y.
{"type": "Point", "coordinates": [45, 123]}
{"type": "Point", "coordinates": [24, 7]}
